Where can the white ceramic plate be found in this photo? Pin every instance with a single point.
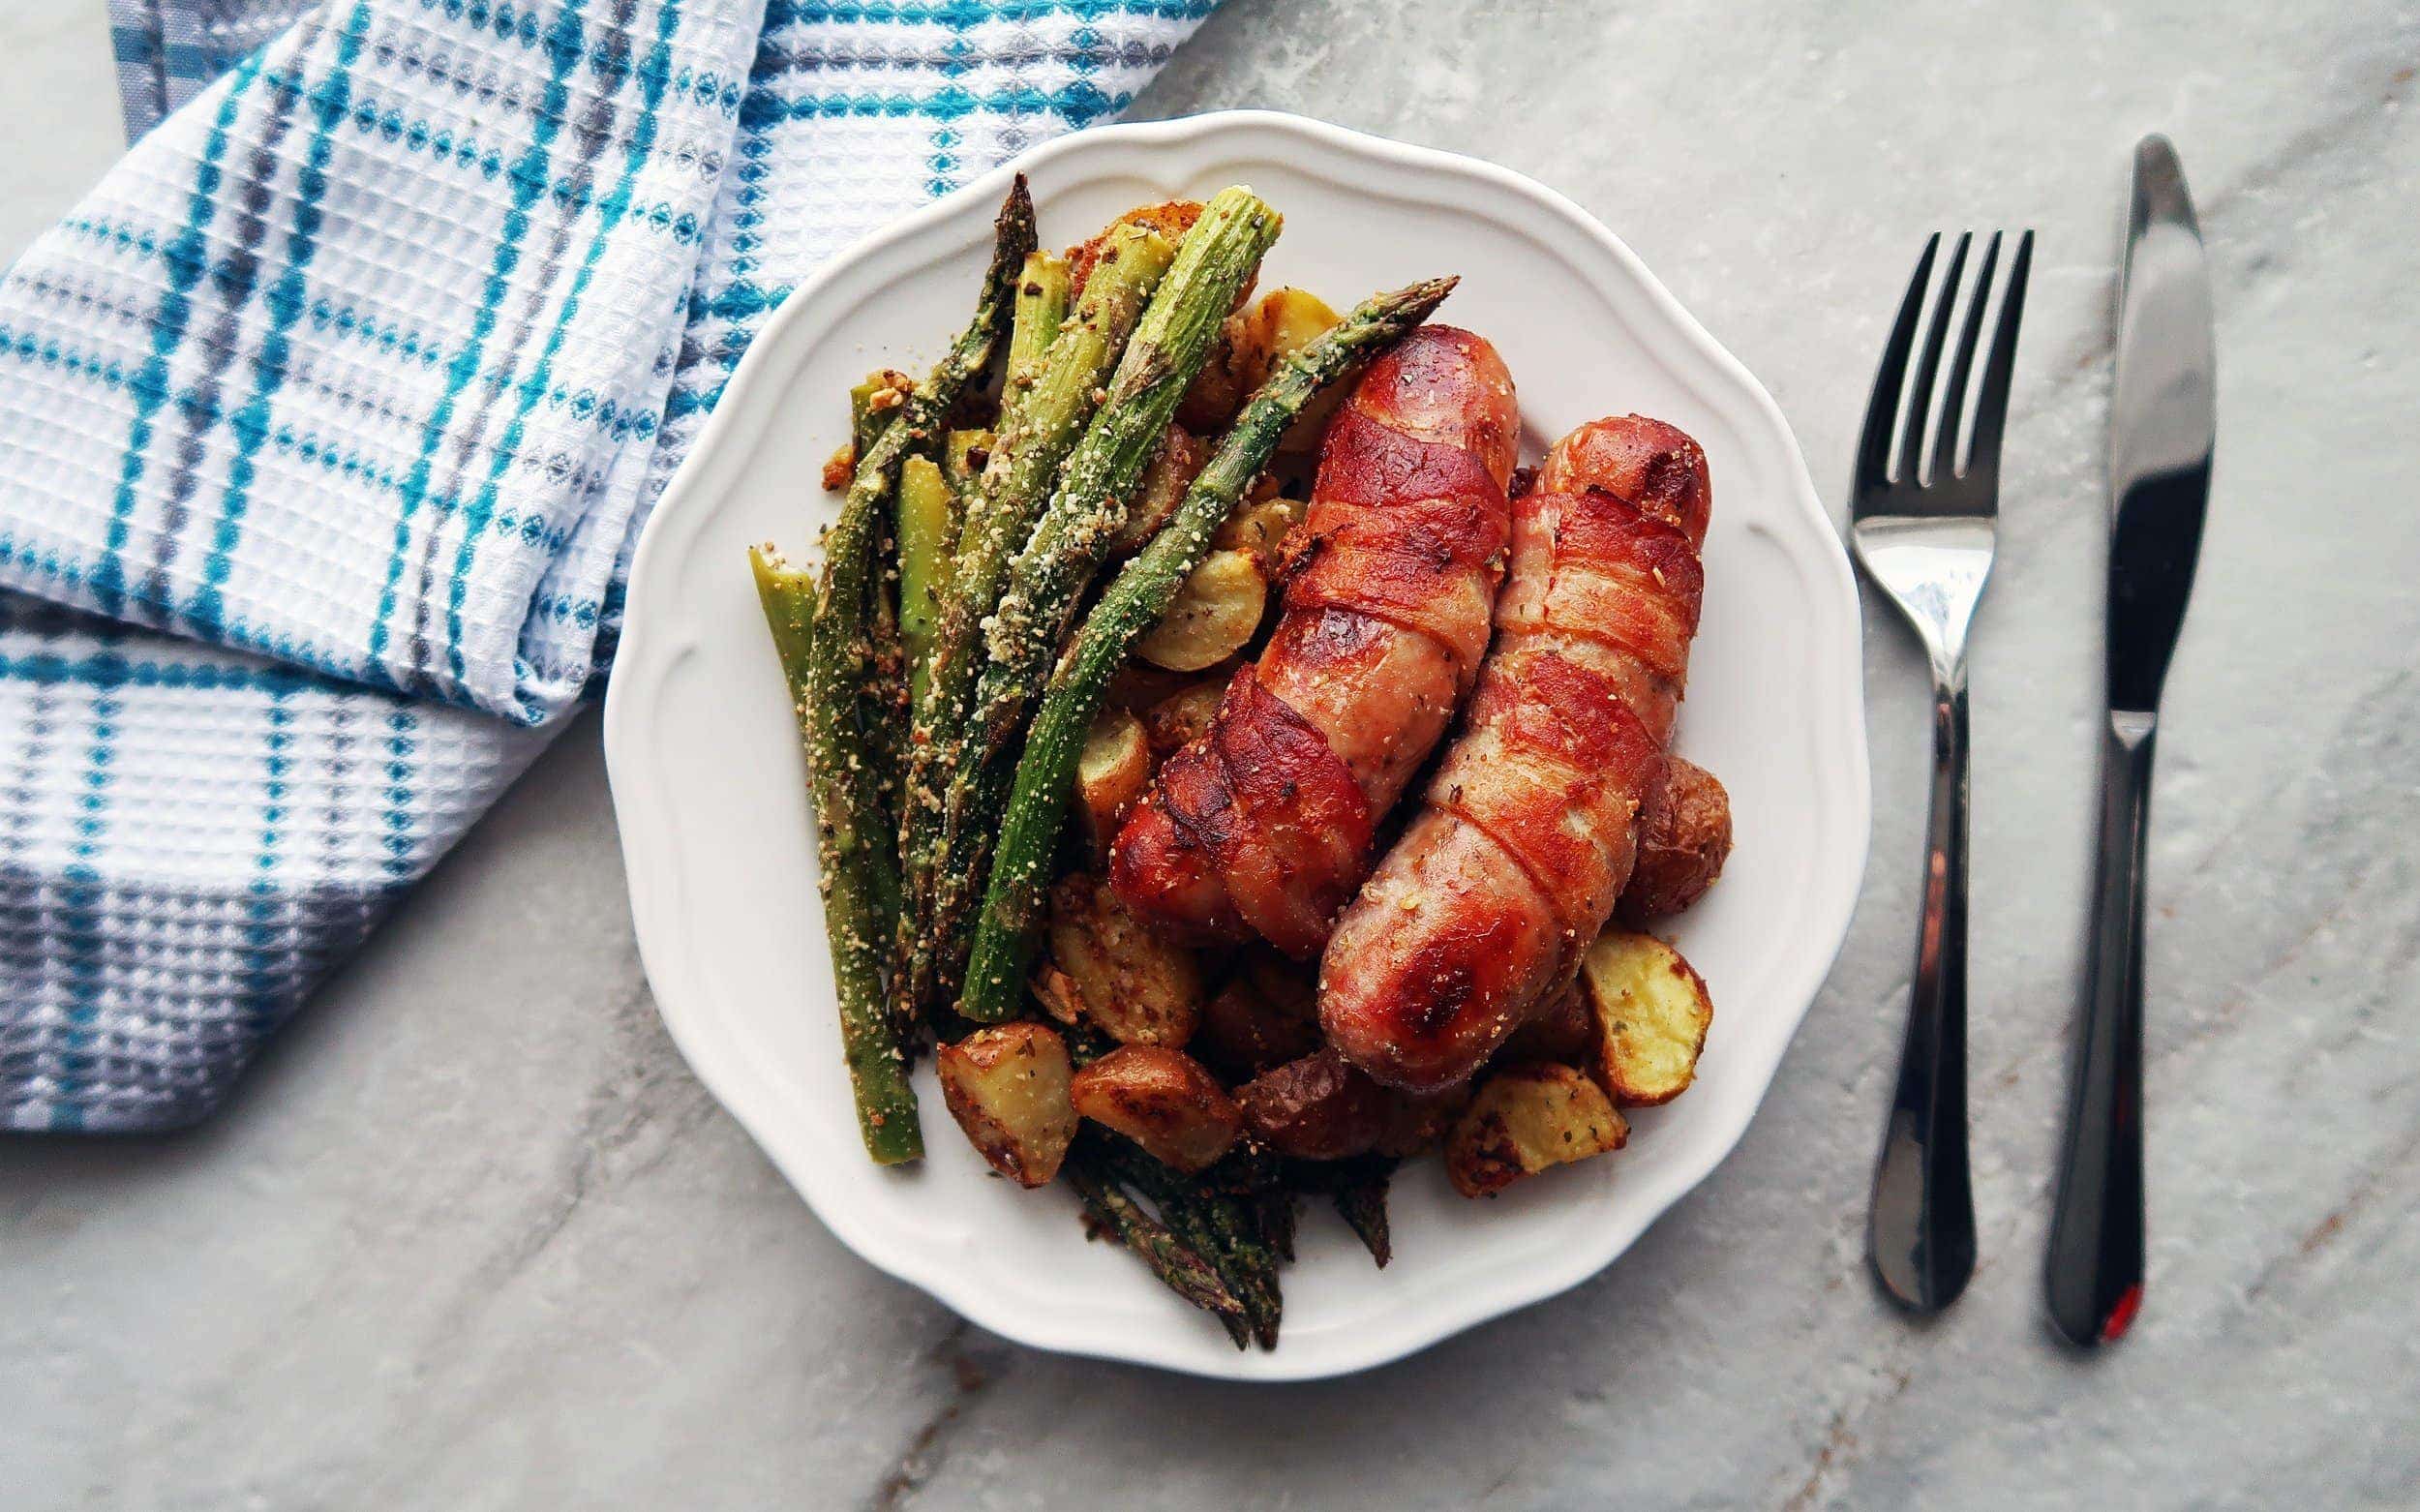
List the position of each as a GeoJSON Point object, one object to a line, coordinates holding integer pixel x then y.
{"type": "Point", "coordinates": [707, 783]}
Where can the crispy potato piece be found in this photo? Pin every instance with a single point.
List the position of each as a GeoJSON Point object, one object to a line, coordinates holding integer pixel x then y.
{"type": "Point", "coordinates": [1162, 1100]}
{"type": "Point", "coordinates": [1008, 1087]}
{"type": "Point", "coordinates": [1134, 984]}
{"type": "Point", "coordinates": [1111, 772]}
{"type": "Point", "coordinates": [1684, 838]}
{"type": "Point", "coordinates": [1415, 1124]}
{"type": "Point", "coordinates": [1260, 524]}
{"type": "Point", "coordinates": [1319, 1108]}
{"type": "Point", "coordinates": [1137, 685]}
{"type": "Point", "coordinates": [1173, 467]}
{"type": "Point", "coordinates": [1651, 1009]}
{"type": "Point", "coordinates": [1170, 217]}
{"type": "Point", "coordinates": [1561, 1028]}
{"type": "Point", "coordinates": [1218, 391]}
{"type": "Point", "coordinates": [1214, 614]}
{"type": "Point", "coordinates": [1265, 1015]}
{"type": "Point", "coordinates": [1182, 718]}
{"type": "Point", "coordinates": [1525, 1119]}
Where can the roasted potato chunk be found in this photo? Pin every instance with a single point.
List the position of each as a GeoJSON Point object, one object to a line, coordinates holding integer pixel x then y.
{"type": "Point", "coordinates": [1264, 1016]}
{"type": "Point", "coordinates": [1127, 981]}
{"type": "Point", "coordinates": [1259, 525]}
{"type": "Point", "coordinates": [1111, 772]}
{"type": "Point", "coordinates": [1561, 1028]}
{"type": "Point", "coordinates": [1215, 612]}
{"type": "Point", "coordinates": [1183, 717]}
{"type": "Point", "coordinates": [1172, 471]}
{"type": "Point", "coordinates": [1162, 1100]}
{"type": "Point", "coordinates": [1652, 1011]}
{"type": "Point", "coordinates": [1684, 838]}
{"type": "Point", "coordinates": [1218, 390]}
{"type": "Point", "coordinates": [1319, 1108]}
{"type": "Point", "coordinates": [1525, 1119]}
{"type": "Point", "coordinates": [1008, 1087]}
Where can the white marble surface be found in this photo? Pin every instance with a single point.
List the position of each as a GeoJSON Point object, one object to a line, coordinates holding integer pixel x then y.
{"type": "Point", "coordinates": [473, 1238]}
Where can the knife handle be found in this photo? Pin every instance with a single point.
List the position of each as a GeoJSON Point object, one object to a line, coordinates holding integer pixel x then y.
{"type": "Point", "coordinates": [1920, 1237]}
{"type": "Point", "coordinates": [2094, 1278]}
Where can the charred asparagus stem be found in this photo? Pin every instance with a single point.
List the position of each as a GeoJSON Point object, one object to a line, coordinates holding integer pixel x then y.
{"type": "Point", "coordinates": [1183, 1271]}
{"type": "Point", "coordinates": [1057, 563]}
{"type": "Point", "coordinates": [1018, 885]}
{"type": "Point", "coordinates": [861, 889]}
{"type": "Point", "coordinates": [837, 684]}
{"type": "Point", "coordinates": [1217, 1226]}
{"type": "Point", "coordinates": [1017, 483]}
{"type": "Point", "coordinates": [1361, 1201]}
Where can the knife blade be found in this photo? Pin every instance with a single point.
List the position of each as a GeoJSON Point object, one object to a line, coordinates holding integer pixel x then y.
{"type": "Point", "coordinates": [2162, 427]}
{"type": "Point", "coordinates": [2162, 433]}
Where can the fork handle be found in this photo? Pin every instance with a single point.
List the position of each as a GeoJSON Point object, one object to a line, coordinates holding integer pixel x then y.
{"type": "Point", "coordinates": [2094, 1278]}
{"type": "Point", "coordinates": [1921, 1234]}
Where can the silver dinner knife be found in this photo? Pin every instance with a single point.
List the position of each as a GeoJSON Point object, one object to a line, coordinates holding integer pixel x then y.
{"type": "Point", "coordinates": [2162, 426]}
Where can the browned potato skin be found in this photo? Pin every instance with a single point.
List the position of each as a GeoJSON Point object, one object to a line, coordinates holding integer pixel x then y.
{"type": "Point", "coordinates": [1684, 838]}
{"type": "Point", "coordinates": [1265, 1015]}
{"type": "Point", "coordinates": [1111, 775]}
{"type": "Point", "coordinates": [1180, 459]}
{"type": "Point", "coordinates": [1632, 1036]}
{"type": "Point", "coordinates": [1561, 1029]}
{"type": "Point", "coordinates": [1415, 1124]}
{"type": "Point", "coordinates": [1219, 390]}
{"type": "Point", "coordinates": [1137, 985]}
{"type": "Point", "coordinates": [1318, 1107]}
{"type": "Point", "coordinates": [1162, 1100]}
{"type": "Point", "coordinates": [1528, 1119]}
{"type": "Point", "coordinates": [1009, 1088]}
{"type": "Point", "coordinates": [1138, 685]}
{"type": "Point", "coordinates": [1184, 717]}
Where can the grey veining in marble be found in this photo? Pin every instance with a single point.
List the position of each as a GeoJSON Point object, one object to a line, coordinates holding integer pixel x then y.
{"type": "Point", "coordinates": [473, 1238]}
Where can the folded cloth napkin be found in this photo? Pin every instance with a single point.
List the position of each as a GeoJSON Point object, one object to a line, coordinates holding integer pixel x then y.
{"type": "Point", "coordinates": [329, 422]}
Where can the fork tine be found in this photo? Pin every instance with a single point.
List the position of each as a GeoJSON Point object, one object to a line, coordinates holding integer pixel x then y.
{"type": "Point", "coordinates": [1882, 410]}
{"type": "Point", "coordinates": [1991, 403]}
{"type": "Point", "coordinates": [1945, 462]}
{"type": "Point", "coordinates": [1920, 403]}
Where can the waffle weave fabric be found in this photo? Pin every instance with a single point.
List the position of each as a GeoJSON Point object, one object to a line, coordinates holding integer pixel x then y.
{"type": "Point", "coordinates": [329, 422]}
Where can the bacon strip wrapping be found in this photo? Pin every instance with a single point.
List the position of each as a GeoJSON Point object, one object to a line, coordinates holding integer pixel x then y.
{"type": "Point", "coordinates": [1529, 830]}
{"type": "Point", "coordinates": [1265, 824]}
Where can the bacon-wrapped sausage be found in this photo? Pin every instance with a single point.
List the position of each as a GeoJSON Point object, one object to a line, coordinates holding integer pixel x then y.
{"type": "Point", "coordinates": [1528, 834]}
{"type": "Point", "coordinates": [1264, 824]}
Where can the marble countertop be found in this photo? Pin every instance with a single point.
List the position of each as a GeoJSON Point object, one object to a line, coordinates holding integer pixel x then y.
{"type": "Point", "coordinates": [472, 1236]}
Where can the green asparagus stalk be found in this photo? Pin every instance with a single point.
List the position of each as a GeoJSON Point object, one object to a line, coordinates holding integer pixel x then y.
{"type": "Point", "coordinates": [866, 420]}
{"type": "Point", "coordinates": [860, 888]}
{"type": "Point", "coordinates": [1182, 1270]}
{"type": "Point", "coordinates": [837, 684]}
{"type": "Point", "coordinates": [924, 509]}
{"type": "Point", "coordinates": [1041, 301]}
{"type": "Point", "coordinates": [1016, 484]}
{"type": "Point", "coordinates": [1016, 890]}
{"type": "Point", "coordinates": [1049, 577]}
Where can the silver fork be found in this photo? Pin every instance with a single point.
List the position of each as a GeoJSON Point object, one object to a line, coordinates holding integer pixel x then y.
{"type": "Point", "coordinates": [1924, 535]}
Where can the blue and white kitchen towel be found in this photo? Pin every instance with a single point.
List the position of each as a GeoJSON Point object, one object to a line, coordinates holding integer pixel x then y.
{"type": "Point", "coordinates": [329, 422]}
